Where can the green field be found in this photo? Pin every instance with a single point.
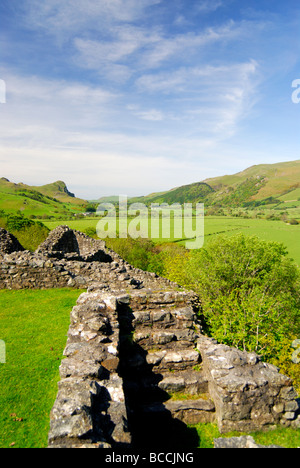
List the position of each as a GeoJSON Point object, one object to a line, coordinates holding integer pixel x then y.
{"type": "Point", "coordinates": [34, 326]}
{"type": "Point", "coordinates": [277, 231]}
{"type": "Point", "coordinates": [265, 229]}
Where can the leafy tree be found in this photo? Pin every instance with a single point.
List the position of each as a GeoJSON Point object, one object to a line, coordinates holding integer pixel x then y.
{"type": "Point", "coordinates": [249, 291]}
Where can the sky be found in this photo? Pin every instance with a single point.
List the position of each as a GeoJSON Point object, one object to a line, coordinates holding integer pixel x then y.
{"type": "Point", "coordinates": [137, 96]}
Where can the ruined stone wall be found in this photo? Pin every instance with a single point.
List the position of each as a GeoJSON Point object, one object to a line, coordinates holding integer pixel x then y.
{"type": "Point", "coordinates": [137, 367]}
{"type": "Point", "coordinates": [9, 243]}
{"type": "Point", "coordinates": [141, 354]}
{"type": "Point", "coordinates": [80, 262]}
{"type": "Point", "coordinates": [90, 410]}
{"type": "Point", "coordinates": [249, 394]}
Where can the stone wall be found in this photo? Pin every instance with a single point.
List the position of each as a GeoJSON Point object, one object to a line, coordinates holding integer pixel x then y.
{"type": "Point", "coordinates": [248, 394]}
{"type": "Point", "coordinates": [90, 410]}
{"type": "Point", "coordinates": [68, 259]}
{"type": "Point", "coordinates": [63, 240]}
{"type": "Point", "coordinates": [142, 355]}
{"type": "Point", "coordinates": [137, 367]}
{"type": "Point", "coordinates": [9, 243]}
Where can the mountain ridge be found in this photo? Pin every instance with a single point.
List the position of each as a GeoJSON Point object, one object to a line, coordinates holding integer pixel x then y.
{"type": "Point", "coordinates": [254, 184]}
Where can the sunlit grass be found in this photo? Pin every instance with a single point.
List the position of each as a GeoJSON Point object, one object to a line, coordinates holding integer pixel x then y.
{"type": "Point", "coordinates": [33, 325]}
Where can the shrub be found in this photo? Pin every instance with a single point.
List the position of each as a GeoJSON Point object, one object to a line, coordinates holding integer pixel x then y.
{"type": "Point", "coordinates": [135, 251]}
{"type": "Point", "coordinates": [91, 232]}
{"type": "Point", "coordinates": [29, 233]}
{"type": "Point", "coordinates": [250, 293]}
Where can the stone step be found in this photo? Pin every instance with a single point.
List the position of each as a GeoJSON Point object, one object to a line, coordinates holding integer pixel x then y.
{"type": "Point", "coordinates": [153, 387]}
{"type": "Point", "coordinates": [195, 411]}
{"type": "Point", "coordinates": [174, 359]}
{"type": "Point", "coordinates": [164, 317]}
{"type": "Point", "coordinates": [148, 338]}
{"type": "Point", "coordinates": [188, 381]}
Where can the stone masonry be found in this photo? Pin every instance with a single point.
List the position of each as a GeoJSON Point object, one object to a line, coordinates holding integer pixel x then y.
{"type": "Point", "coordinates": [136, 364]}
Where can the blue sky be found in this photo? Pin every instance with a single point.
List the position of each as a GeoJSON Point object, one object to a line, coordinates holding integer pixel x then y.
{"type": "Point", "coordinates": [135, 96]}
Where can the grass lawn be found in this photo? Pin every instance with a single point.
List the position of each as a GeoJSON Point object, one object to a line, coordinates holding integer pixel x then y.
{"type": "Point", "coordinates": [283, 437]}
{"type": "Point", "coordinates": [33, 325]}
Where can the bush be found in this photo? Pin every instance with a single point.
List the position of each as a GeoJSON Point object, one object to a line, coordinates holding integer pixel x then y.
{"type": "Point", "coordinates": [91, 232]}
{"type": "Point", "coordinates": [137, 252]}
{"type": "Point", "coordinates": [29, 233]}
{"type": "Point", "coordinates": [250, 293]}
{"type": "Point", "coordinates": [18, 222]}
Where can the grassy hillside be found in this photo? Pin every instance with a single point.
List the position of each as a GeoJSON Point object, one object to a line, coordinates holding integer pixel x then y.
{"type": "Point", "coordinates": [186, 194]}
{"type": "Point", "coordinates": [44, 201]}
{"type": "Point", "coordinates": [273, 180]}
{"type": "Point", "coordinates": [267, 183]}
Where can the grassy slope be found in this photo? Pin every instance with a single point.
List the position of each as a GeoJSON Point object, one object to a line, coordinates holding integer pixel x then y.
{"type": "Point", "coordinates": [281, 177]}
{"type": "Point", "coordinates": [278, 178]}
{"type": "Point", "coordinates": [34, 325]}
{"type": "Point", "coordinates": [52, 199]}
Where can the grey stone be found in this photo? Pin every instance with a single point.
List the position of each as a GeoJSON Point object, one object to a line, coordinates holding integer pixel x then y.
{"type": "Point", "coordinates": [240, 442]}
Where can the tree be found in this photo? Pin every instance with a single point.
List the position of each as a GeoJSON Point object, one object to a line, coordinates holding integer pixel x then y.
{"type": "Point", "coordinates": [250, 293]}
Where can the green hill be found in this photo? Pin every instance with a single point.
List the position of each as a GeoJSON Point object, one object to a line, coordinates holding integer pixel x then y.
{"type": "Point", "coordinates": [191, 193]}
{"type": "Point", "coordinates": [259, 182]}
{"type": "Point", "coordinates": [46, 200]}
{"type": "Point", "coordinates": [264, 184]}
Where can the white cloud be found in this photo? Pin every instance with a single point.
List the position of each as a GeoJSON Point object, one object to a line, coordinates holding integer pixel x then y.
{"type": "Point", "coordinates": [146, 114]}
{"type": "Point", "coordinates": [63, 18]}
{"type": "Point", "coordinates": [207, 6]}
{"type": "Point", "coordinates": [152, 101]}
{"type": "Point", "coordinates": [217, 97]}
{"type": "Point", "coordinates": [53, 129]}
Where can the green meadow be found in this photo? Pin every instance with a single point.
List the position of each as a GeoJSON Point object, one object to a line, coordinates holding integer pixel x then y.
{"type": "Point", "coordinates": [268, 230]}
{"type": "Point", "coordinates": [34, 327]}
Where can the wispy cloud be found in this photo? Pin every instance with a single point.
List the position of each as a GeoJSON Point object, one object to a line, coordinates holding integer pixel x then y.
{"type": "Point", "coordinates": [149, 92]}
{"type": "Point", "coordinates": [71, 16]}
{"type": "Point", "coordinates": [218, 97]}
{"type": "Point", "coordinates": [207, 6]}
